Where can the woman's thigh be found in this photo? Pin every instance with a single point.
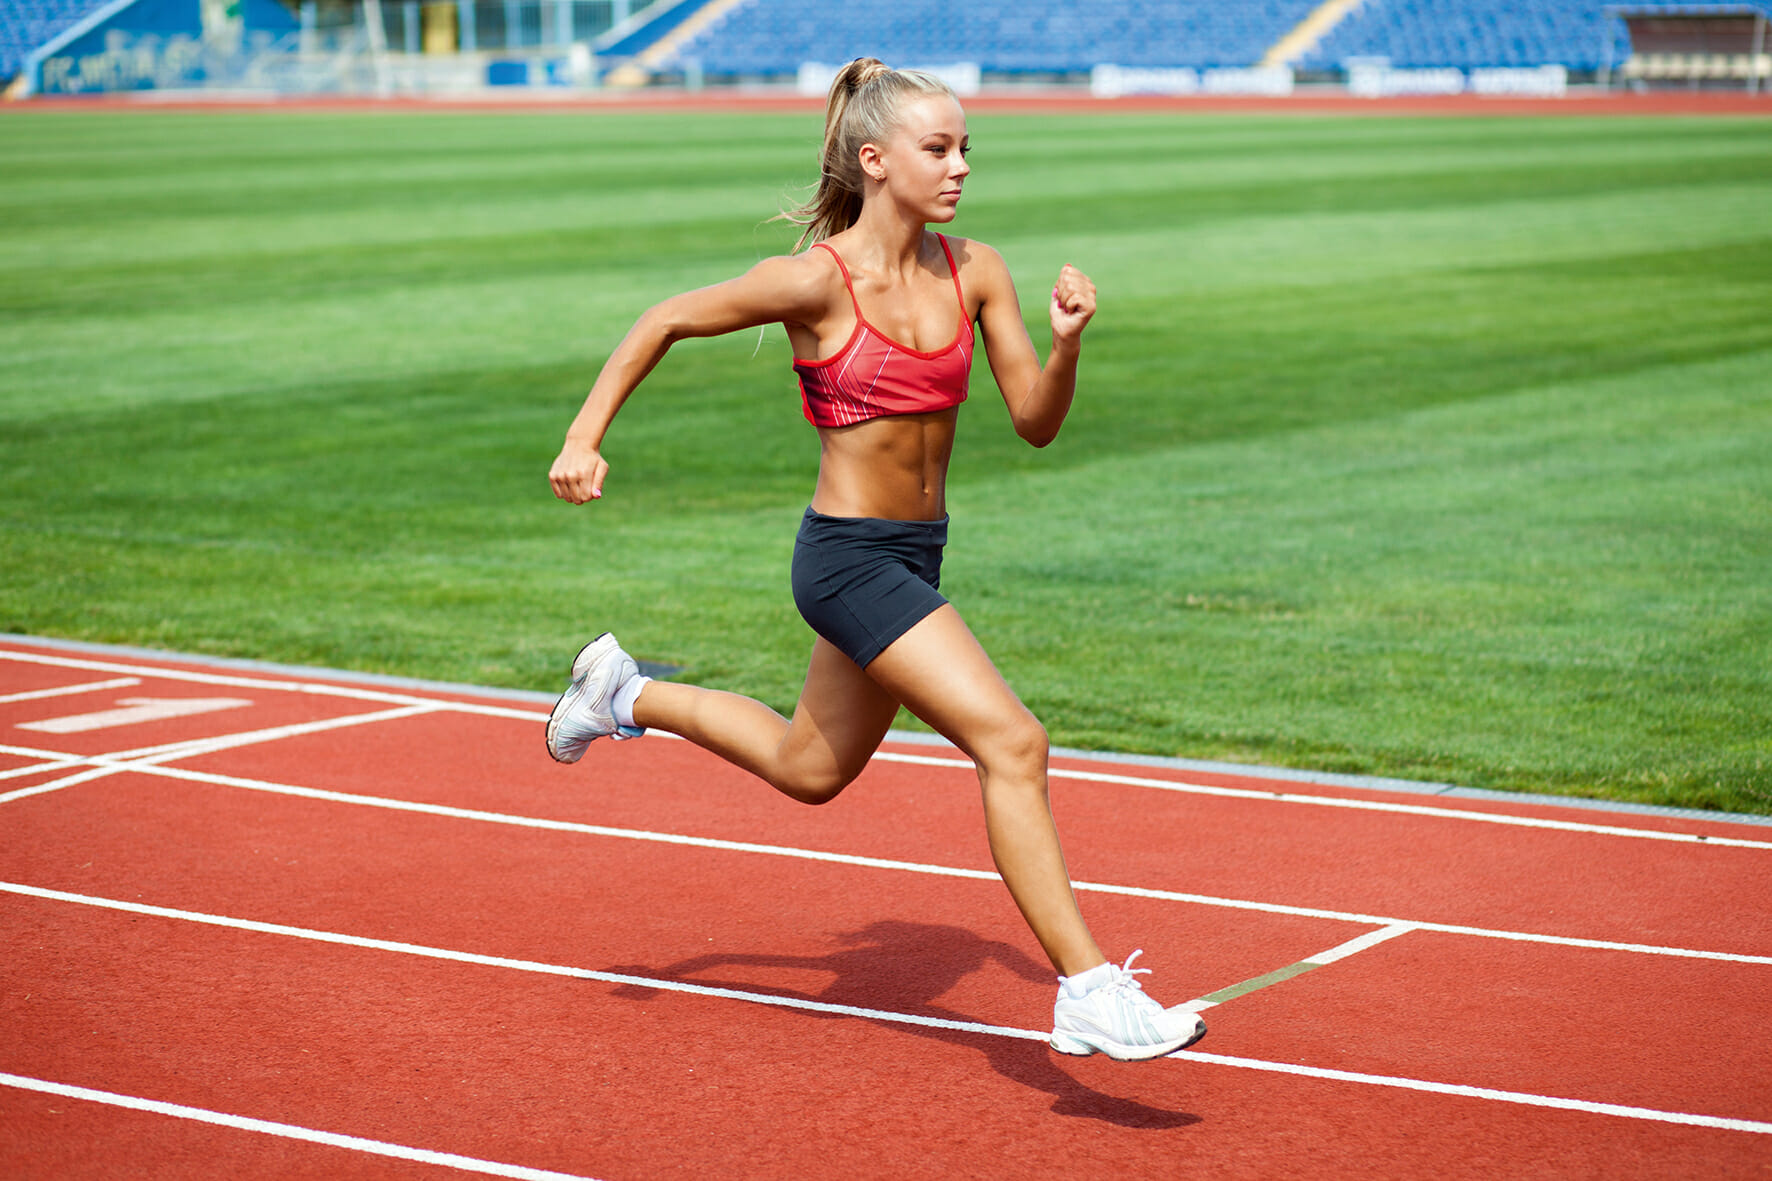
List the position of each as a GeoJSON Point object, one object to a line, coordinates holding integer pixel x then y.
{"type": "Point", "coordinates": [941, 673]}
{"type": "Point", "coordinates": [842, 715]}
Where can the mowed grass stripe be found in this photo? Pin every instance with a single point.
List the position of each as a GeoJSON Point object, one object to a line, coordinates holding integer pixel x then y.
{"type": "Point", "coordinates": [1561, 573]}
{"type": "Point", "coordinates": [1422, 447]}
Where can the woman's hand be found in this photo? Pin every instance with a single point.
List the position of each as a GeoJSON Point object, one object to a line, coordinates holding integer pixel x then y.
{"type": "Point", "coordinates": [577, 475]}
{"type": "Point", "coordinates": [1073, 303]}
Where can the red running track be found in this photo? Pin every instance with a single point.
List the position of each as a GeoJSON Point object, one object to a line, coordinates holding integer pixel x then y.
{"type": "Point", "coordinates": [317, 927]}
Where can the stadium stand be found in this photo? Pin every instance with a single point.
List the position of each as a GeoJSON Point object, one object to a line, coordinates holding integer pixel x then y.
{"type": "Point", "coordinates": [742, 40]}
{"type": "Point", "coordinates": [653, 22]}
{"type": "Point", "coordinates": [771, 38]}
{"type": "Point", "coordinates": [27, 24]}
{"type": "Point", "coordinates": [1583, 35]}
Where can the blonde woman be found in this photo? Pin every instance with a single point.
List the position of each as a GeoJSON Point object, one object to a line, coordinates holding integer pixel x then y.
{"type": "Point", "coordinates": [881, 314]}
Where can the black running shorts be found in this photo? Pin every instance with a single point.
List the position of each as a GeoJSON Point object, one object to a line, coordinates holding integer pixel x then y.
{"type": "Point", "coordinates": [862, 582]}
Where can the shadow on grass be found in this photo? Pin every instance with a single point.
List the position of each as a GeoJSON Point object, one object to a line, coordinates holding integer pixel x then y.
{"type": "Point", "coordinates": [905, 966]}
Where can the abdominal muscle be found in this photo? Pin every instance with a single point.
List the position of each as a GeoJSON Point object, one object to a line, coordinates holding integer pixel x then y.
{"type": "Point", "coordinates": [894, 468]}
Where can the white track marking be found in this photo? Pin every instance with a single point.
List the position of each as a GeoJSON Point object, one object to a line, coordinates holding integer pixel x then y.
{"type": "Point", "coordinates": [665, 838]}
{"type": "Point", "coordinates": [69, 690]}
{"type": "Point", "coordinates": [190, 748]}
{"type": "Point", "coordinates": [309, 687]}
{"type": "Point", "coordinates": [1286, 797]}
{"type": "Point", "coordinates": [1408, 1084]}
{"type": "Point", "coordinates": [48, 762]}
{"type": "Point", "coordinates": [146, 758]}
{"type": "Point", "coordinates": [1359, 943]}
{"type": "Point", "coordinates": [922, 760]}
{"type": "Point", "coordinates": [136, 711]}
{"type": "Point", "coordinates": [1453, 1089]}
{"type": "Point", "coordinates": [494, 961]}
{"type": "Point", "coordinates": [243, 1123]}
{"type": "Point", "coordinates": [58, 784]}
{"type": "Point", "coordinates": [54, 764]}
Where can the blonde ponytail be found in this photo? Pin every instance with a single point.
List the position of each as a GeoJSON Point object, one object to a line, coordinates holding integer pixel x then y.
{"type": "Point", "coordinates": [863, 107]}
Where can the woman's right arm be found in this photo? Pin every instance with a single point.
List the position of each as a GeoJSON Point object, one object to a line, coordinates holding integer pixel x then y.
{"type": "Point", "coordinates": [790, 289]}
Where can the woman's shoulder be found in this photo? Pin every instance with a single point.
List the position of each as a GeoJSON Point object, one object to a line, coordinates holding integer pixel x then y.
{"type": "Point", "coordinates": [976, 262]}
{"type": "Point", "coordinates": [803, 278]}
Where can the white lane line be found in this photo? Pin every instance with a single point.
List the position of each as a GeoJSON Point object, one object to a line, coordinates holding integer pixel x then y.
{"type": "Point", "coordinates": [148, 757]}
{"type": "Point", "coordinates": [272, 686]}
{"type": "Point", "coordinates": [55, 763]}
{"type": "Point", "coordinates": [1759, 1127]}
{"type": "Point", "coordinates": [243, 1123]}
{"type": "Point", "coordinates": [924, 760]}
{"type": "Point", "coordinates": [493, 961]}
{"type": "Point", "coordinates": [57, 784]}
{"type": "Point", "coordinates": [1283, 797]}
{"type": "Point", "coordinates": [1485, 1093]}
{"type": "Point", "coordinates": [665, 838]}
{"type": "Point", "coordinates": [69, 690]}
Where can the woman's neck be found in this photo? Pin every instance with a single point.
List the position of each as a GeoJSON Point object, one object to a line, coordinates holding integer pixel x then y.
{"type": "Point", "coordinates": [888, 240]}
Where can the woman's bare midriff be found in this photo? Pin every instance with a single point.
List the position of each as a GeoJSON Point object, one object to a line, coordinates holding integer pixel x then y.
{"type": "Point", "coordinates": [894, 468]}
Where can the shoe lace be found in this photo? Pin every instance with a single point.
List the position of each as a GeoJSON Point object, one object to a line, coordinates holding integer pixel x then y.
{"type": "Point", "coordinates": [1125, 974]}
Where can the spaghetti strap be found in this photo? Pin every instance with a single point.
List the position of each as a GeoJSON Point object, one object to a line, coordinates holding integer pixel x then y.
{"type": "Point", "coordinates": [833, 250]}
{"type": "Point", "coordinates": [848, 284]}
{"type": "Point", "coordinates": [954, 270]}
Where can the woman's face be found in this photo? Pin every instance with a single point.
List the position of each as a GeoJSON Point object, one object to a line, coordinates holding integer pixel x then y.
{"type": "Point", "coordinates": [923, 164]}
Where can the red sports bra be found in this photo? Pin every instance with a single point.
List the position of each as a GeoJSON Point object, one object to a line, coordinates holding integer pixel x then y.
{"type": "Point", "coordinates": [872, 375]}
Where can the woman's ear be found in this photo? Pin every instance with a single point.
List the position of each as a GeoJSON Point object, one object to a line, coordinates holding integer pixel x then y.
{"type": "Point", "coordinates": [873, 163]}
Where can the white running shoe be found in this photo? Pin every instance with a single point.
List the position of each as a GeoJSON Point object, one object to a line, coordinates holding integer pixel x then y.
{"type": "Point", "coordinates": [586, 711]}
{"type": "Point", "coordinates": [1116, 1018]}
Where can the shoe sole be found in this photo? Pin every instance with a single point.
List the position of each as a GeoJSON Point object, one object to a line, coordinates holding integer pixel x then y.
{"type": "Point", "coordinates": [581, 668]}
{"type": "Point", "coordinates": [1078, 1048]}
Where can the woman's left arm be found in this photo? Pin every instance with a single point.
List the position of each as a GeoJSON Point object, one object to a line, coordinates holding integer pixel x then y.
{"type": "Point", "coordinates": [1038, 396]}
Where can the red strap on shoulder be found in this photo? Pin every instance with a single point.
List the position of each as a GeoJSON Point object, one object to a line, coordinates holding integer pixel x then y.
{"type": "Point", "coordinates": [952, 270]}
{"type": "Point", "coordinates": [840, 266]}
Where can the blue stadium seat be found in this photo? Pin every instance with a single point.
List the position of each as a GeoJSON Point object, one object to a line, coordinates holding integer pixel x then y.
{"type": "Point", "coordinates": [25, 25]}
{"type": "Point", "coordinates": [1477, 34]}
{"type": "Point", "coordinates": [765, 38]}
{"type": "Point", "coordinates": [772, 37]}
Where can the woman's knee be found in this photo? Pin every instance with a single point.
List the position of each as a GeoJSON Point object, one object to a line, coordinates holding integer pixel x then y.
{"type": "Point", "coordinates": [1016, 749]}
{"type": "Point", "coordinates": [811, 783]}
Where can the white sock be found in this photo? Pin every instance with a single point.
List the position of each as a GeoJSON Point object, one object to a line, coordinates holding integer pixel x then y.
{"type": "Point", "coordinates": [623, 705]}
{"type": "Point", "coordinates": [1084, 983]}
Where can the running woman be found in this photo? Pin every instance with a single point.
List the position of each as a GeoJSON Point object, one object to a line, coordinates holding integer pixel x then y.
{"type": "Point", "coordinates": [880, 313]}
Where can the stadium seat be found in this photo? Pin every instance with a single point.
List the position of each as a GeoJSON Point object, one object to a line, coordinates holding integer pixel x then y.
{"type": "Point", "coordinates": [1479, 34]}
{"type": "Point", "coordinates": [26, 25]}
{"type": "Point", "coordinates": [771, 38]}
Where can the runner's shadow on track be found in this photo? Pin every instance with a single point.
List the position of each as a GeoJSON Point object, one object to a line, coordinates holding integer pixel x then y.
{"type": "Point", "coordinates": [904, 967]}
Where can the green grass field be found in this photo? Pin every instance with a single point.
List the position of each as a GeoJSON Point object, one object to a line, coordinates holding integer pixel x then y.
{"type": "Point", "coordinates": [1438, 448]}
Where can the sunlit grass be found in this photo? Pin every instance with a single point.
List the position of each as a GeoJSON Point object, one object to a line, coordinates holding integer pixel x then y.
{"type": "Point", "coordinates": [1433, 448]}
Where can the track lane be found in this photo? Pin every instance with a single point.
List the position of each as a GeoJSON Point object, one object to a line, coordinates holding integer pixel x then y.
{"type": "Point", "coordinates": [574, 1075]}
{"type": "Point", "coordinates": [928, 945]}
{"type": "Point", "coordinates": [142, 824]}
{"type": "Point", "coordinates": [1417, 867]}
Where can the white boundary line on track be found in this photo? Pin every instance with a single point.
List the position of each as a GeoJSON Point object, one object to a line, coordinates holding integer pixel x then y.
{"type": "Point", "coordinates": [243, 1123]}
{"type": "Point", "coordinates": [631, 834]}
{"type": "Point", "coordinates": [70, 690]}
{"type": "Point", "coordinates": [1180, 786]}
{"type": "Point", "coordinates": [315, 688]}
{"type": "Point", "coordinates": [1287, 797]}
{"type": "Point", "coordinates": [1453, 1089]}
{"type": "Point", "coordinates": [148, 757]}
